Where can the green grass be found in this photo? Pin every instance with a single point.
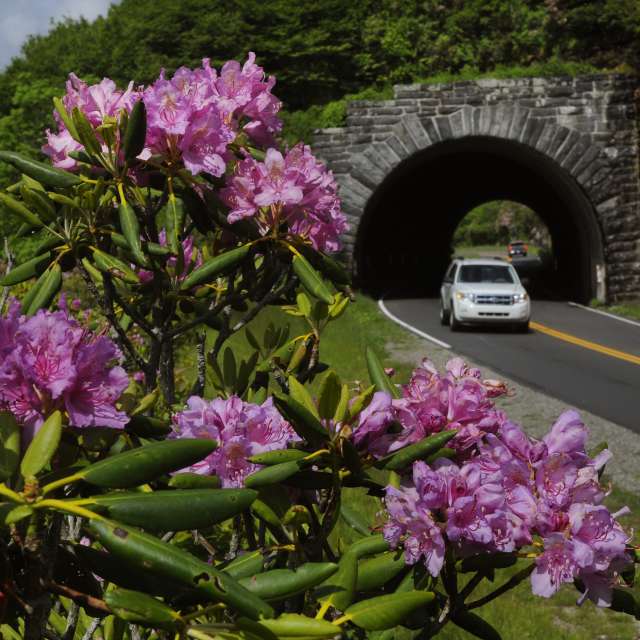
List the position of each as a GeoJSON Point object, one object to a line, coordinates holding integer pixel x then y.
{"type": "Point", "coordinates": [488, 250]}
{"type": "Point", "coordinates": [629, 310]}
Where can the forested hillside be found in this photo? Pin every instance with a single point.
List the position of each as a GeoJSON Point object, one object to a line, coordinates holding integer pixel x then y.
{"type": "Point", "coordinates": [319, 50]}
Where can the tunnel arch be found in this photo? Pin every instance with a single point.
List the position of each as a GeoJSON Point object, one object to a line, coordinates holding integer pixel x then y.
{"type": "Point", "coordinates": [404, 235]}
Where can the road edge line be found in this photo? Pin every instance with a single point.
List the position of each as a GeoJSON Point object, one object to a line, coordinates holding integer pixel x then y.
{"type": "Point", "coordinates": [604, 313]}
{"type": "Point", "coordinates": [409, 327]}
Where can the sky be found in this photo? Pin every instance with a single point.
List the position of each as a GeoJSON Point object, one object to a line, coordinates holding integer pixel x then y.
{"type": "Point", "coordinates": [21, 18]}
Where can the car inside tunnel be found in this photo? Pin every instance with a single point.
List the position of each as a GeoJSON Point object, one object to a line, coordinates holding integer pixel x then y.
{"type": "Point", "coordinates": [404, 241]}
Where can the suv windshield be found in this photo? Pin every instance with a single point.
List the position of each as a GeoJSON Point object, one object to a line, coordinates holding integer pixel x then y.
{"type": "Point", "coordinates": [485, 273]}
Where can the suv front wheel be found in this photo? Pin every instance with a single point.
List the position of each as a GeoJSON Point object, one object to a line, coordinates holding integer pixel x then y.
{"type": "Point", "coordinates": [444, 315]}
{"type": "Point", "coordinates": [454, 324]}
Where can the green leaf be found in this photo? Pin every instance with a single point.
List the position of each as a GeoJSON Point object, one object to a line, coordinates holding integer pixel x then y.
{"type": "Point", "coordinates": [377, 374]}
{"type": "Point", "coordinates": [113, 569]}
{"type": "Point", "coordinates": [214, 267]}
{"type": "Point", "coordinates": [47, 289]}
{"type": "Point", "coordinates": [300, 394]}
{"type": "Point", "coordinates": [339, 589]}
{"type": "Point", "coordinates": [295, 625]}
{"type": "Point", "coordinates": [43, 446]}
{"type": "Point", "coordinates": [17, 207]}
{"type": "Point", "coordinates": [176, 510]}
{"type": "Point", "coordinates": [329, 395]}
{"type": "Point", "coordinates": [407, 455]}
{"type": "Point", "coordinates": [40, 171]}
{"type": "Point", "coordinates": [138, 466]}
{"type": "Point", "coordinates": [114, 266]}
{"type": "Point", "coordinates": [145, 552]}
{"type": "Point", "coordinates": [86, 134]}
{"type": "Point", "coordinates": [9, 445]}
{"type": "Point", "coordinates": [33, 292]}
{"type": "Point", "coordinates": [354, 519]}
{"type": "Point", "coordinates": [229, 368]}
{"type": "Point", "coordinates": [330, 267]}
{"type": "Point", "coordinates": [475, 625]}
{"type": "Point", "coordinates": [148, 426]}
{"type": "Point", "coordinates": [311, 280]}
{"type": "Point", "coordinates": [12, 514]}
{"type": "Point", "coordinates": [243, 566]}
{"type": "Point", "coordinates": [136, 131]}
{"type": "Point", "coordinates": [369, 546]}
{"type": "Point", "coordinates": [131, 230]}
{"type": "Point", "coordinates": [280, 584]}
{"type": "Point", "coordinates": [304, 304]}
{"type": "Point", "coordinates": [342, 408]}
{"type": "Point", "coordinates": [140, 608]}
{"type": "Point", "coordinates": [361, 401]}
{"type": "Point", "coordinates": [304, 423]}
{"type": "Point", "coordinates": [386, 612]}
{"type": "Point", "coordinates": [189, 480]}
{"type": "Point", "coordinates": [174, 223]}
{"type": "Point", "coordinates": [66, 118]}
{"type": "Point", "coordinates": [374, 573]}
{"type": "Point", "coordinates": [269, 458]}
{"type": "Point", "coordinates": [273, 474]}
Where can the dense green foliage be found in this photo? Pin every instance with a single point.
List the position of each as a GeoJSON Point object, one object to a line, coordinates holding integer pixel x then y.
{"type": "Point", "coordinates": [498, 222]}
{"type": "Point", "coordinates": [323, 52]}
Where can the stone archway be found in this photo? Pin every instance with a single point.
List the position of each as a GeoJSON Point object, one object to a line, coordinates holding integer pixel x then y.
{"type": "Point", "coordinates": [579, 149]}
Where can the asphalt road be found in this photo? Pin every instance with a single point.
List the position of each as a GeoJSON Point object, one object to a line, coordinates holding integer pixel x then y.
{"type": "Point", "coordinates": [605, 384]}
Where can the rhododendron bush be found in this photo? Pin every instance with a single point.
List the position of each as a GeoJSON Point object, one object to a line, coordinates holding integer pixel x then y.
{"type": "Point", "coordinates": [138, 503]}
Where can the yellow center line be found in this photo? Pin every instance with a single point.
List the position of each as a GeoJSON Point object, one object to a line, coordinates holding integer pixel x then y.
{"type": "Point", "coordinates": [594, 346]}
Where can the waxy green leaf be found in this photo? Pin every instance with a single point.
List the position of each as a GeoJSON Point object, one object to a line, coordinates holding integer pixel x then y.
{"type": "Point", "coordinates": [303, 421]}
{"type": "Point", "coordinates": [407, 455]}
{"type": "Point", "coordinates": [475, 625]}
{"type": "Point", "coordinates": [136, 131]}
{"type": "Point", "coordinates": [40, 171]}
{"type": "Point", "coordinates": [377, 374]}
{"type": "Point", "coordinates": [43, 446]}
{"type": "Point", "coordinates": [46, 290]}
{"type": "Point", "coordinates": [311, 280]}
{"type": "Point", "coordinates": [280, 584]}
{"type": "Point", "coordinates": [143, 551]}
{"type": "Point", "coordinates": [138, 466]}
{"type": "Point", "coordinates": [374, 573]}
{"type": "Point", "coordinates": [9, 445]}
{"type": "Point", "coordinates": [176, 510]}
{"type": "Point", "coordinates": [386, 612]}
{"type": "Point", "coordinates": [140, 608]}
{"type": "Point", "coordinates": [214, 267]}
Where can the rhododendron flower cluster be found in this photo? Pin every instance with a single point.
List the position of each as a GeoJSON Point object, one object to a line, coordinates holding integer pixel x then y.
{"type": "Point", "coordinates": [193, 118]}
{"type": "Point", "coordinates": [430, 403]}
{"type": "Point", "coordinates": [48, 361]}
{"type": "Point", "coordinates": [242, 430]}
{"type": "Point", "coordinates": [505, 491]}
{"type": "Point", "coordinates": [97, 102]}
{"type": "Point", "coordinates": [295, 188]}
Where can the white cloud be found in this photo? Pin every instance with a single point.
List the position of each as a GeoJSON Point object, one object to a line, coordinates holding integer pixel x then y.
{"type": "Point", "coordinates": [21, 18]}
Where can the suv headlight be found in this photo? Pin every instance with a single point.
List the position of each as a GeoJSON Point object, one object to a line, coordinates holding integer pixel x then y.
{"type": "Point", "coordinates": [520, 297]}
{"type": "Point", "coordinates": [462, 295]}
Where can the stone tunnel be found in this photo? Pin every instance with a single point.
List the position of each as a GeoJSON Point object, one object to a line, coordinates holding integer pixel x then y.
{"type": "Point", "coordinates": [409, 169]}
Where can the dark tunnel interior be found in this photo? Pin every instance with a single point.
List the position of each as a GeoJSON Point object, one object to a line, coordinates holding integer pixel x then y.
{"type": "Point", "coordinates": [403, 245]}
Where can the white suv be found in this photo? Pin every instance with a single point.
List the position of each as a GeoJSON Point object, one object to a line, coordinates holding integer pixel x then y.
{"type": "Point", "coordinates": [479, 291]}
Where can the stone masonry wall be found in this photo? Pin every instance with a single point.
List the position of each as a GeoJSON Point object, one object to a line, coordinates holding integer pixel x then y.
{"type": "Point", "coordinates": [587, 124]}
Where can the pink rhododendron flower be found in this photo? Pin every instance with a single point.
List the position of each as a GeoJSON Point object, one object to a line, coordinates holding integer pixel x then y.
{"type": "Point", "coordinates": [294, 188]}
{"type": "Point", "coordinates": [96, 102]}
{"type": "Point", "coordinates": [241, 429]}
{"type": "Point", "coordinates": [503, 487]}
{"type": "Point", "coordinates": [49, 361]}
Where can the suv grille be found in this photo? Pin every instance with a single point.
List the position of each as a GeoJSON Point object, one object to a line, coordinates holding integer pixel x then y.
{"type": "Point", "coordinates": [497, 299]}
